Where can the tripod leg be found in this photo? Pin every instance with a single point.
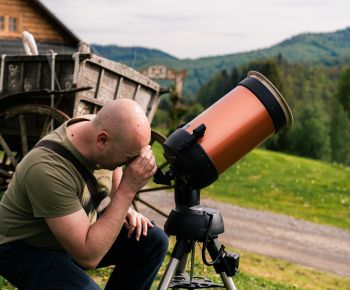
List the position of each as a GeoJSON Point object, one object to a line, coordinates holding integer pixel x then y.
{"type": "Point", "coordinates": [168, 274]}
{"type": "Point", "coordinates": [182, 265]}
{"type": "Point", "coordinates": [221, 267]}
{"type": "Point", "coordinates": [181, 248]}
{"type": "Point", "coordinates": [228, 282]}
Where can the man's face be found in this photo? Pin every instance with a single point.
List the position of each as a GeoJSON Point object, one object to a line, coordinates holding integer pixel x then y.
{"type": "Point", "coordinates": [117, 156]}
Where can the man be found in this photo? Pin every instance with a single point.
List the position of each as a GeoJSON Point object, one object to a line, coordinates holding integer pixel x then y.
{"type": "Point", "coordinates": [48, 229]}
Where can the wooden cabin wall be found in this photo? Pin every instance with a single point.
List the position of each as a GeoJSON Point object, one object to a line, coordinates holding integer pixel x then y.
{"type": "Point", "coordinates": [30, 19]}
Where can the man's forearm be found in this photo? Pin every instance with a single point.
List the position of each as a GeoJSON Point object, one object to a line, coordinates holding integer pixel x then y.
{"type": "Point", "coordinates": [102, 234]}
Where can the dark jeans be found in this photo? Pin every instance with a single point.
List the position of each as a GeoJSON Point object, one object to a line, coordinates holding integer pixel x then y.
{"type": "Point", "coordinates": [137, 263]}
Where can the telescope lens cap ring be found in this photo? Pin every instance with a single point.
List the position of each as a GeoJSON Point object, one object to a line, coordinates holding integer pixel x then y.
{"type": "Point", "coordinates": [276, 93]}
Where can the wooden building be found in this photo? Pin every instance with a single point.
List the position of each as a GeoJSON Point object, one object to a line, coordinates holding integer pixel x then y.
{"type": "Point", "coordinates": [49, 32]}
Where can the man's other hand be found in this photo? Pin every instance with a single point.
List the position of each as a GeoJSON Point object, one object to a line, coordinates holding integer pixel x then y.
{"type": "Point", "coordinates": [134, 221]}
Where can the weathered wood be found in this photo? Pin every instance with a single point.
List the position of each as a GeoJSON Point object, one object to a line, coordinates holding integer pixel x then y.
{"type": "Point", "coordinates": [33, 19]}
{"type": "Point", "coordinates": [82, 82]}
{"type": "Point", "coordinates": [36, 109]}
{"type": "Point", "coordinates": [7, 150]}
{"type": "Point", "coordinates": [108, 79]}
{"type": "Point", "coordinates": [5, 173]}
{"type": "Point", "coordinates": [23, 132]}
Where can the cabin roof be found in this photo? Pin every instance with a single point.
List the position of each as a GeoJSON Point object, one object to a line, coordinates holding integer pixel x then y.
{"type": "Point", "coordinates": [51, 16]}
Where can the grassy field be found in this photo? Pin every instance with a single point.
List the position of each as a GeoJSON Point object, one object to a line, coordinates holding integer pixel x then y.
{"type": "Point", "coordinates": [256, 272]}
{"type": "Point", "coordinates": [302, 188]}
{"type": "Point", "coordinates": [311, 190]}
{"type": "Point", "coordinates": [261, 272]}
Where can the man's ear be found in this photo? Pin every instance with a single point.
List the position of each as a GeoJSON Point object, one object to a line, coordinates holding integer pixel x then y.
{"type": "Point", "coordinates": [102, 138]}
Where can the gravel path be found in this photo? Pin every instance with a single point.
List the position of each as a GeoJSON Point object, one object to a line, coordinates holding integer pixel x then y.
{"type": "Point", "coordinates": [321, 247]}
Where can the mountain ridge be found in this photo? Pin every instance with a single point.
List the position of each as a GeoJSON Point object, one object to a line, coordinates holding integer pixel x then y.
{"type": "Point", "coordinates": [328, 49]}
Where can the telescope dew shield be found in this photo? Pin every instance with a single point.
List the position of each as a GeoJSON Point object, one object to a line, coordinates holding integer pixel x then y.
{"type": "Point", "coordinates": [237, 123]}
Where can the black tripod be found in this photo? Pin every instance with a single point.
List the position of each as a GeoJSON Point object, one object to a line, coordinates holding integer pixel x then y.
{"type": "Point", "coordinates": [191, 223]}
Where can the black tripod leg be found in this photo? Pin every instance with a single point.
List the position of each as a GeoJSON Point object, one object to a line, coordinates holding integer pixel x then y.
{"type": "Point", "coordinates": [181, 249]}
{"type": "Point", "coordinates": [220, 267]}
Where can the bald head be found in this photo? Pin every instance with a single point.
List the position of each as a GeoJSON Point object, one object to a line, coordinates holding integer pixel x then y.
{"type": "Point", "coordinates": [125, 121]}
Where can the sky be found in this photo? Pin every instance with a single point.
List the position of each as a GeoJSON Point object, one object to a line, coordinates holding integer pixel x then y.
{"type": "Point", "coordinates": [198, 28]}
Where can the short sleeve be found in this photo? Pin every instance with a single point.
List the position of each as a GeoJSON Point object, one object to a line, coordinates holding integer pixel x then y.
{"type": "Point", "coordinates": [104, 179]}
{"type": "Point", "coordinates": [52, 190]}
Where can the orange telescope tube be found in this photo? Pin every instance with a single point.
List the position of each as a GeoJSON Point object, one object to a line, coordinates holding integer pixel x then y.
{"type": "Point", "coordinates": [239, 122]}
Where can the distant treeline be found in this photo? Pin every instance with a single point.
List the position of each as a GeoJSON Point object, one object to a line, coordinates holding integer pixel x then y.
{"type": "Point", "coordinates": [328, 49]}
{"type": "Point", "coordinates": [319, 97]}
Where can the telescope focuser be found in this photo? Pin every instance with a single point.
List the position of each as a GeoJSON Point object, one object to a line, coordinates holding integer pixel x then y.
{"type": "Point", "coordinates": [197, 134]}
{"type": "Point", "coordinates": [188, 161]}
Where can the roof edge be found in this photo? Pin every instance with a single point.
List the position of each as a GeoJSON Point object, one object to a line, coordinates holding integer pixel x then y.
{"type": "Point", "coordinates": [44, 9]}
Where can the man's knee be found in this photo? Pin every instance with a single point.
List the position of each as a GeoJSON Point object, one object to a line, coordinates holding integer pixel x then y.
{"type": "Point", "coordinates": [159, 239]}
{"type": "Point", "coordinates": [40, 268]}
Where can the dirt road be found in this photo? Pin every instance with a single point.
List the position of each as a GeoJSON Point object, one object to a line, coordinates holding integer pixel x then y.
{"type": "Point", "coordinates": [320, 247]}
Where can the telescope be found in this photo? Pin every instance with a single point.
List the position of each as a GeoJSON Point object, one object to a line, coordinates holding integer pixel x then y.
{"type": "Point", "coordinates": [198, 153]}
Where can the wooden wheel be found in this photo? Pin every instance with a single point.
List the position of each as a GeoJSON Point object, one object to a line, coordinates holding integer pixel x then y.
{"type": "Point", "coordinates": [157, 139]}
{"type": "Point", "coordinates": [21, 128]}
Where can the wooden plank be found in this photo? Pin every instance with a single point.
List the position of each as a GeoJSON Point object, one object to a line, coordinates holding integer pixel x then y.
{"type": "Point", "coordinates": [119, 85]}
{"type": "Point", "coordinates": [7, 151]}
{"type": "Point", "coordinates": [38, 78]}
{"type": "Point", "coordinates": [99, 82]}
{"type": "Point", "coordinates": [91, 101]}
{"type": "Point", "coordinates": [107, 86]}
{"type": "Point", "coordinates": [108, 79]}
{"type": "Point", "coordinates": [22, 75]}
{"type": "Point", "coordinates": [125, 71]}
{"type": "Point", "coordinates": [128, 88]}
{"type": "Point", "coordinates": [136, 91]}
{"type": "Point", "coordinates": [23, 132]}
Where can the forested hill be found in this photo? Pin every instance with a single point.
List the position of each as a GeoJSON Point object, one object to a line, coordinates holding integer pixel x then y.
{"type": "Point", "coordinates": [132, 55]}
{"type": "Point", "coordinates": [328, 49]}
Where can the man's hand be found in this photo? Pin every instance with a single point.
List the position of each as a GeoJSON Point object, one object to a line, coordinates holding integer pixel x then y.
{"type": "Point", "coordinates": [137, 173]}
{"type": "Point", "coordinates": [136, 221]}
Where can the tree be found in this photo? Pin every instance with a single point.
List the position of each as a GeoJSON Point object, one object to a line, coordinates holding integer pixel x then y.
{"type": "Point", "coordinates": [214, 89]}
{"type": "Point", "coordinates": [340, 135]}
{"type": "Point", "coordinates": [310, 135]}
{"type": "Point", "coordinates": [269, 69]}
{"type": "Point", "coordinates": [177, 110]}
{"type": "Point", "coordinates": [343, 93]}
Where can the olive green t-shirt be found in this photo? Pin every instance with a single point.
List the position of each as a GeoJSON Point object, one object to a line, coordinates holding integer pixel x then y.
{"type": "Point", "coordinates": [46, 185]}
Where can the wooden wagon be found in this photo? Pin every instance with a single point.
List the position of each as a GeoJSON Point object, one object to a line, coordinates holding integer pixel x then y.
{"type": "Point", "coordinates": [38, 93]}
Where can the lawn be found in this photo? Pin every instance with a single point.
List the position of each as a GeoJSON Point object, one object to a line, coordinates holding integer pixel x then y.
{"type": "Point", "coordinates": [303, 188]}
{"type": "Point", "coordinates": [256, 272]}
{"type": "Point", "coordinates": [308, 189]}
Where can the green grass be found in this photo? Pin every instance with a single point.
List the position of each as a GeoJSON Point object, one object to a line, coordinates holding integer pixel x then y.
{"type": "Point", "coordinates": [256, 272]}
{"type": "Point", "coordinates": [281, 271]}
{"type": "Point", "coordinates": [308, 189]}
{"type": "Point", "coordinates": [4, 285]}
{"type": "Point", "coordinates": [302, 188]}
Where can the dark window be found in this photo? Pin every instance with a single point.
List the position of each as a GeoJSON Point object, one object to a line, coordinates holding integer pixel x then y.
{"type": "Point", "coordinates": [12, 23]}
{"type": "Point", "coordinates": [2, 23]}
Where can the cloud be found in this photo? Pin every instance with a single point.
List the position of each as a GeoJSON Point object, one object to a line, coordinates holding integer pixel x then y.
{"type": "Point", "coordinates": [301, 3]}
{"type": "Point", "coordinates": [193, 28]}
